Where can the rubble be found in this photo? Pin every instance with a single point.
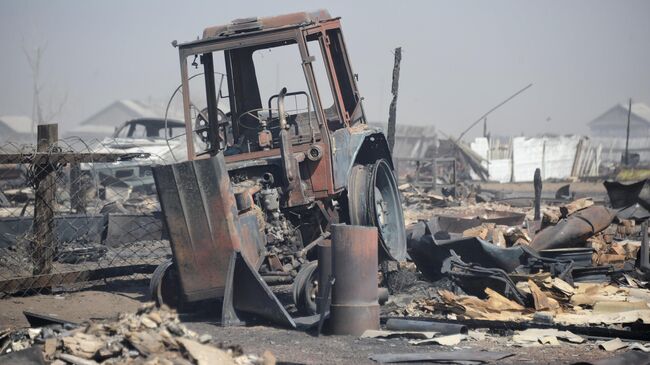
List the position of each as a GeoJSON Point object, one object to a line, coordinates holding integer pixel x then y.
{"type": "Point", "coordinates": [152, 335]}
{"type": "Point", "coordinates": [585, 281]}
{"type": "Point", "coordinates": [539, 337]}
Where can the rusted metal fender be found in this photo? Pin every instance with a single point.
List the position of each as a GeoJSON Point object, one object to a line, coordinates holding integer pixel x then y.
{"type": "Point", "coordinates": [358, 144]}
{"type": "Point", "coordinates": [574, 230]}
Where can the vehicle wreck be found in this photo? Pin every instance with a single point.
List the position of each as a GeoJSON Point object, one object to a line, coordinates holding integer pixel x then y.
{"type": "Point", "coordinates": [274, 175]}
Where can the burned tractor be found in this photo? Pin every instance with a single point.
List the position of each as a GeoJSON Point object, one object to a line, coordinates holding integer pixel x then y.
{"type": "Point", "coordinates": [279, 152]}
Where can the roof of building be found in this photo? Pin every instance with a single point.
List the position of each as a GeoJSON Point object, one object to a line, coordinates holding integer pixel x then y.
{"type": "Point", "coordinates": [104, 122]}
{"type": "Point", "coordinates": [18, 123]}
{"type": "Point", "coordinates": [639, 110]}
{"type": "Point", "coordinates": [411, 141]}
{"type": "Point", "coordinates": [130, 109]}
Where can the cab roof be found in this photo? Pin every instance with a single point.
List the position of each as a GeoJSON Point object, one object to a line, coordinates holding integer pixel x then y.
{"type": "Point", "coordinates": [256, 24]}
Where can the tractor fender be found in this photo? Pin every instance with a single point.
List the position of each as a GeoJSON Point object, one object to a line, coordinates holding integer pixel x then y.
{"type": "Point", "coordinates": [359, 144]}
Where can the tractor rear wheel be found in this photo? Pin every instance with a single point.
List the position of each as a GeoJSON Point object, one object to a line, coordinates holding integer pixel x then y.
{"type": "Point", "coordinates": [164, 286]}
{"type": "Point", "coordinates": [374, 200]}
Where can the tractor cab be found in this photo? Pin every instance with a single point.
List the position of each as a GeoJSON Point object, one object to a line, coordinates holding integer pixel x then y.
{"type": "Point", "coordinates": [262, 75]}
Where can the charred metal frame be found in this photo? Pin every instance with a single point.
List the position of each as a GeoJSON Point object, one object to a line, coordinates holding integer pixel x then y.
{"type": "Point", "coordinates": [339, 74]}
{"type": "Point", "coordinates": [271, 188]}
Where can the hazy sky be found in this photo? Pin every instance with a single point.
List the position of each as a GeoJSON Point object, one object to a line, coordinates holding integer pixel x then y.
{"type": "Point", "coordinates": [459, 57]}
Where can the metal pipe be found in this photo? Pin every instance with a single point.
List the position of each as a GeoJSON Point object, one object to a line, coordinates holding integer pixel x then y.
{"type": "Point", "coordinates": [313, 243]}
{"type": "Point", "coordinates": [645, 260]}
{"type": "Point", "coordinates": [324, 250]}
{"type": "Point", "coordinates": [354, 306]}
{"type": "Point", "coordinates": [277, 279]}
{"type": "Point", "coordinates": [283, 118]}
{"type": "Point", "coordinates": [395, 324]}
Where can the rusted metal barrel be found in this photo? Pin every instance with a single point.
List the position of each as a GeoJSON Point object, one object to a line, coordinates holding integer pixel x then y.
{"type": "Point", "coordinates": [324, 251]}
{"type": "Point", "coordinates": [354, 306]}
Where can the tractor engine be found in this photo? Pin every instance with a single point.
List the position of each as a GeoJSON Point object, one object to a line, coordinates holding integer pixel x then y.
{"type": "Point", "coordinates": [283, 239]}
{"type": "Point", "coordinates": [281, 235]}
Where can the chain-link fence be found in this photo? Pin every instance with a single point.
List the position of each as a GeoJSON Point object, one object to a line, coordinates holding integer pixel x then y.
{"type": "Point", "coordinates": [73, 212]}
{"type": "Point", "coordinates": [426, 172]}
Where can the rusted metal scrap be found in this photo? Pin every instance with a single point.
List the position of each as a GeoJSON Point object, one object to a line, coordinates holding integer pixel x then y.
{"type": "Point", "coordinates": [632, 200]}
{"type": "Point", "coordinates": [354, 306]}
{"type": "Point", "coordinates": [212, 248]}
{"type": "Point", "coordinates": [625, 195]}
{"type": "Point", "coordinates": [574, 230]}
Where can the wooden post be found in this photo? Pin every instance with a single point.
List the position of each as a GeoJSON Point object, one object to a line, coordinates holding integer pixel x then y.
{"type": "Point", "coordinates": [77, 201]}
{"type": "Point", "coordinates": [392, 111]}
{"type": "Point", "coordinates": [434, 174]}
{"type": "Point", "coordinates": [45, 182]}
{"type": "Point", "coordinates": [537, 185]}
{"type": "Point", "coordinates": [627, 136]}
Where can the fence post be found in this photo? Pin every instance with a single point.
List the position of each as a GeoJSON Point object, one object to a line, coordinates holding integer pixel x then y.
{"type": "Point", "coordinates": [45, 182]}
{"type": "Point", "coordinates": [77, 201]}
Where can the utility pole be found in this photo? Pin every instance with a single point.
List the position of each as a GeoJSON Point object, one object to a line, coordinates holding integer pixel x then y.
{"type": "Point", "coordinates": [392, 111]}
{"type": "Point", "coordinates": [627, 137]}
{"type": "Point", "coordinates": [484, 116]}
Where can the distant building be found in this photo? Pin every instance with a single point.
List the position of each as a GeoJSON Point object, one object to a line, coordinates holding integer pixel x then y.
{"type": "Point", "coordinates": [613, 123]}
{"type": "Point", "coordinates": [16, 128]}
{"type": "Point", "coordinates": [103, 123]}
{"type": "Point", "coordinates": [411, 141]}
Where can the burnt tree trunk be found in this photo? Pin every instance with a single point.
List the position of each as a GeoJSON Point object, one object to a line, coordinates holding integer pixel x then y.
{"type": "Point", "coordinates": [392, 111]}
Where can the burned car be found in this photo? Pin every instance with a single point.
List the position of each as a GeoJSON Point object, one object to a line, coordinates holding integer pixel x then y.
{"type": "Point", "coordinates": [144, 141]}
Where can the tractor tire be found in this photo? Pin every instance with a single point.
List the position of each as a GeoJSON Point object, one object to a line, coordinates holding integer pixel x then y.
{"type": "Point", "coordinates": [305, 289]}
{"type": "Point", "coordinates": [164, 287]}
{"type": "Point", "coordinates": [374, 200]}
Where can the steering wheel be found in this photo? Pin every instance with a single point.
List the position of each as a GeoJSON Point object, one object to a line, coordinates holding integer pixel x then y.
{"type": "Point", "coordinates": [255, 114]}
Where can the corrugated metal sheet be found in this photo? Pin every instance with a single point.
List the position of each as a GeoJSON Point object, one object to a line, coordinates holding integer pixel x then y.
{"type": "Point", "coordinates": [553, 155]}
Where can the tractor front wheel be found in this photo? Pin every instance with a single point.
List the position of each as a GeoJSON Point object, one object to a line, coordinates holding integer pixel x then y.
{"type": "Point", "coordinates": [374, 200]}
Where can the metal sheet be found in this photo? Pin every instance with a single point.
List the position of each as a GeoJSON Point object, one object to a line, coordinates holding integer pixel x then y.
{"type": "Point", "coordinates": [580, 256]}
{"type": "Point", "coordinates": [429, 254]}
{"type": "Point", "coordinates": [252, 295]}
{"type": "Point", "coordinates": [441, 356]}
{"type": "Point", "coordinates": [624, 195]}
{"type": "Point", "coordinates": [200, 212]}
{"type": "Point", "coordinates": [345, 147]}
{"type": "Point", "coordinates": [397, 324]}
